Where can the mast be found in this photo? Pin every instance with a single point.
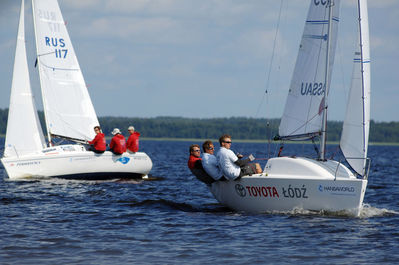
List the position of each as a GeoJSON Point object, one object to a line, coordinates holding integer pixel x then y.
{"type": "Point", "coordinates": [40, 76]}
{"type": "Point", "coordinates": [323, 138]}
{"type": "Point", "coordinates": [362, 79]}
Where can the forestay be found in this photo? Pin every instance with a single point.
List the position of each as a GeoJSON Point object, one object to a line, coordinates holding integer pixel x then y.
{"type": "Point", "coordinates": [24, 133]}
{"type": "Point", "coordinates": [68, 108]}
{"type": "Point", "coordinates": [355, 134]}
{"type": "Point", "coordinates": [306, 99]}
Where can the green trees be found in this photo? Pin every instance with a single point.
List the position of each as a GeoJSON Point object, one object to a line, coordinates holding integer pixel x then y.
{"type": "Point", "coordinates": [237, 127]}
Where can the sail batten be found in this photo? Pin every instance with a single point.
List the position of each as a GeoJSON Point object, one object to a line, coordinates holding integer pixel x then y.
{"type": "Point", "coordinates": [67, 105]}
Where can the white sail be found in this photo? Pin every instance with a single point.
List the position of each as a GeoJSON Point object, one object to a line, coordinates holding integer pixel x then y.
{"type": "Point", "coordinates": [24, 133]}
{"type": "Point", "coordinates": [355, 134]}
{"type": "Point", "coordinates": [303, 113]}
{"type": "Point", "coordinates": [68, 108]}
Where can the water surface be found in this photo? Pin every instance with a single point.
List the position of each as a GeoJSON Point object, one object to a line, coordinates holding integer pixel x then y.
{"type": "Point", "coordinates": [176, 220]}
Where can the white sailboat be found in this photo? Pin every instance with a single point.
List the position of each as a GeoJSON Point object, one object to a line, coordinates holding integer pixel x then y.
{"type": "Point", "coordinates": [289, 183]}
{"type": "Point", "coordinates": [69, 112]}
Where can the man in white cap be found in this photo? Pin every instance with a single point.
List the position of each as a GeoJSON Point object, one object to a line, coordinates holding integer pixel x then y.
{"type": "Point", "coordinates": [118, 142]}
{"type": "Point", "coordinates": [133, 141]}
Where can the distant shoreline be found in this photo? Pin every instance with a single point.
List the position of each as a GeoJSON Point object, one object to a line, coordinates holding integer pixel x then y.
{"type": "Point", "coordinates": [241, 141]}
{"type": "Point", "coordinates": [253, 141]}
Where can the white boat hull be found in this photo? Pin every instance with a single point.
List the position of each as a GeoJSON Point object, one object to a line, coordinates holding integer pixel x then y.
{"type": "Point", "coordinates": [74, 162]}
{"type": "Point", "coordinates": [294, 183]}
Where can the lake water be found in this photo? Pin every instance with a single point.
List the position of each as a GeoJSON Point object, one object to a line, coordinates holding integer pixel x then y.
{"type": "Point", "coordinates": [176, 220]}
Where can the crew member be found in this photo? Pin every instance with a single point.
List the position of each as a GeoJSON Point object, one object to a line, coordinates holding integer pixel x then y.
{"type": "Point", "coordinates": [133, 140]}
{"type": "Point", "coordinates": [232, 167]}
{"type": "Point", "coordinates": [209, 161]}
{"type": "Point", "coordinates": [195, 165]}
{"type": "Point", "coordinates": [195, 155]}
{"type": "Point", "coordinates": [118, 142]}
{"type": "Point", "coordinates": [98, 144]}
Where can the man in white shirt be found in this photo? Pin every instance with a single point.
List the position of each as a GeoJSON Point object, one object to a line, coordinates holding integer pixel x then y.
{"type": "Point", "coordinates": [232, 167]}
{"type": "Point", "coordinates": [209, 161]}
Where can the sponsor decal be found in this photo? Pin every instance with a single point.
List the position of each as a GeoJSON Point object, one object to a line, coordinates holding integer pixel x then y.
{"type": "Point", "coordinates": [338, 190]}
{"type": "Point", "coordinates": [67, 148]}
{"type": "Point", "coordinates": [240, 190]}
{"type": "Point", "coordinates": [262, 191]}
{"type": "Point", "coordinates": [49, 150]}
{"type": "Point", "coordinates": [124, 160]}
{"type": "Point", "coordinates": [81, 158]}
{"type": "Point", "coordinates": [139, 157]}
{"type": "Point", "coordinates": [19, 164]}
{"type": "Point", "coordinates": [295, 192]}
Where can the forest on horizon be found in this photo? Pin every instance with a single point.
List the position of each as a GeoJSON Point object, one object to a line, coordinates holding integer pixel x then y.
{"type": "Point", "coordinates": [240, 128]}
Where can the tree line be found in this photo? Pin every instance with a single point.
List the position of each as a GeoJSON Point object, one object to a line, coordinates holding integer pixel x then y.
{"type": "Point", "coordinates": [212, 128]}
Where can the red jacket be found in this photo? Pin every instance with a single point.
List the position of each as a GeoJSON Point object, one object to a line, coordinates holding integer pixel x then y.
{"type": "Point", "coordinates": [99, 142]}
{"type": "Point", "coordinates": [118, 144]}
{"type": "Point", "coordinates": [133, 142]}
{"type": "Point", "coordinates": [192, 160]}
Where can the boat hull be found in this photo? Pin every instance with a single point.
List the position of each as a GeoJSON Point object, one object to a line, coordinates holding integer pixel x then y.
{"type": "Point", "coordinates": [300, 184]}
{"type": "Point", "coordinates": [74, 162]}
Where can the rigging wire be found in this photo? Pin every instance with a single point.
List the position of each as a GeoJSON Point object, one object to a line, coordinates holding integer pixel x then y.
{"type": "Point", "coordinates": [268, 79]}
{"type": "Point", "coordinates": [272, 59]}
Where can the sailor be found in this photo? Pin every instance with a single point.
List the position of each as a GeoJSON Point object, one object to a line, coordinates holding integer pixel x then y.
{"type": "Point", "coordinates": [232, 167]}
{"type": "Point", "coordinates": [98, 144]}
{"type": "Point", "coordinates": [118, 142]}
{"type": "Point", "coordinates": [133, 140]}
{"type": "Point", "coordinates": [209, 161]}
{"type": "Point", "coordinates": [195, 165]}
{"type": "Point", "coordinates": [195, 155]}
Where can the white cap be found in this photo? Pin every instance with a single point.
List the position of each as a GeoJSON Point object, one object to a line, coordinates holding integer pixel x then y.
{"type": "Point", "coordinates": [116, 131]}
{"type": "Point", "coordinates": [130, 128]}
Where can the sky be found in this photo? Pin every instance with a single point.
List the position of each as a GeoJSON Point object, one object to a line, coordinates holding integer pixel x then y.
{"type": "Point", "coordinates": [205, 59]}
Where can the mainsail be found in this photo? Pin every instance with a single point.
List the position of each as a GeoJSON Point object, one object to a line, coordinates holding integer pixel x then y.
{"type": "Point", "coordinates": [67, 105]}
{"type": "Point", "coordinates": [306, 101]}
{"type": "Point", "coordinates": [355, 134]}
{"type": "Point", "coordinates": [24, 133]}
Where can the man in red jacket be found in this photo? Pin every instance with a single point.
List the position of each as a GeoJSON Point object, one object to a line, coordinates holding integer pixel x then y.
{"type": "Point", "coordinates": [195, 155]}
{"type": "Point", "coordinates": [118, 142]}
{"type": "Point", "coordinates": [133, 141]}
{"type": "Point", "coordinates": [98, 145]}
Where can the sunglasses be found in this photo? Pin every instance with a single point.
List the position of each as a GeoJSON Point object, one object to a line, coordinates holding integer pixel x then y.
{"type": "Point", "coordinates": [196, 150]}
{"type": "Point", "coordinates": [210, 148]}
{"type": "Point", "coordinates": [226, 142]}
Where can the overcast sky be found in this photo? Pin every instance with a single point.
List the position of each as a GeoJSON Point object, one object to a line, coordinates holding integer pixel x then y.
{"type": "Point", "coordinates": [205, 59]}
